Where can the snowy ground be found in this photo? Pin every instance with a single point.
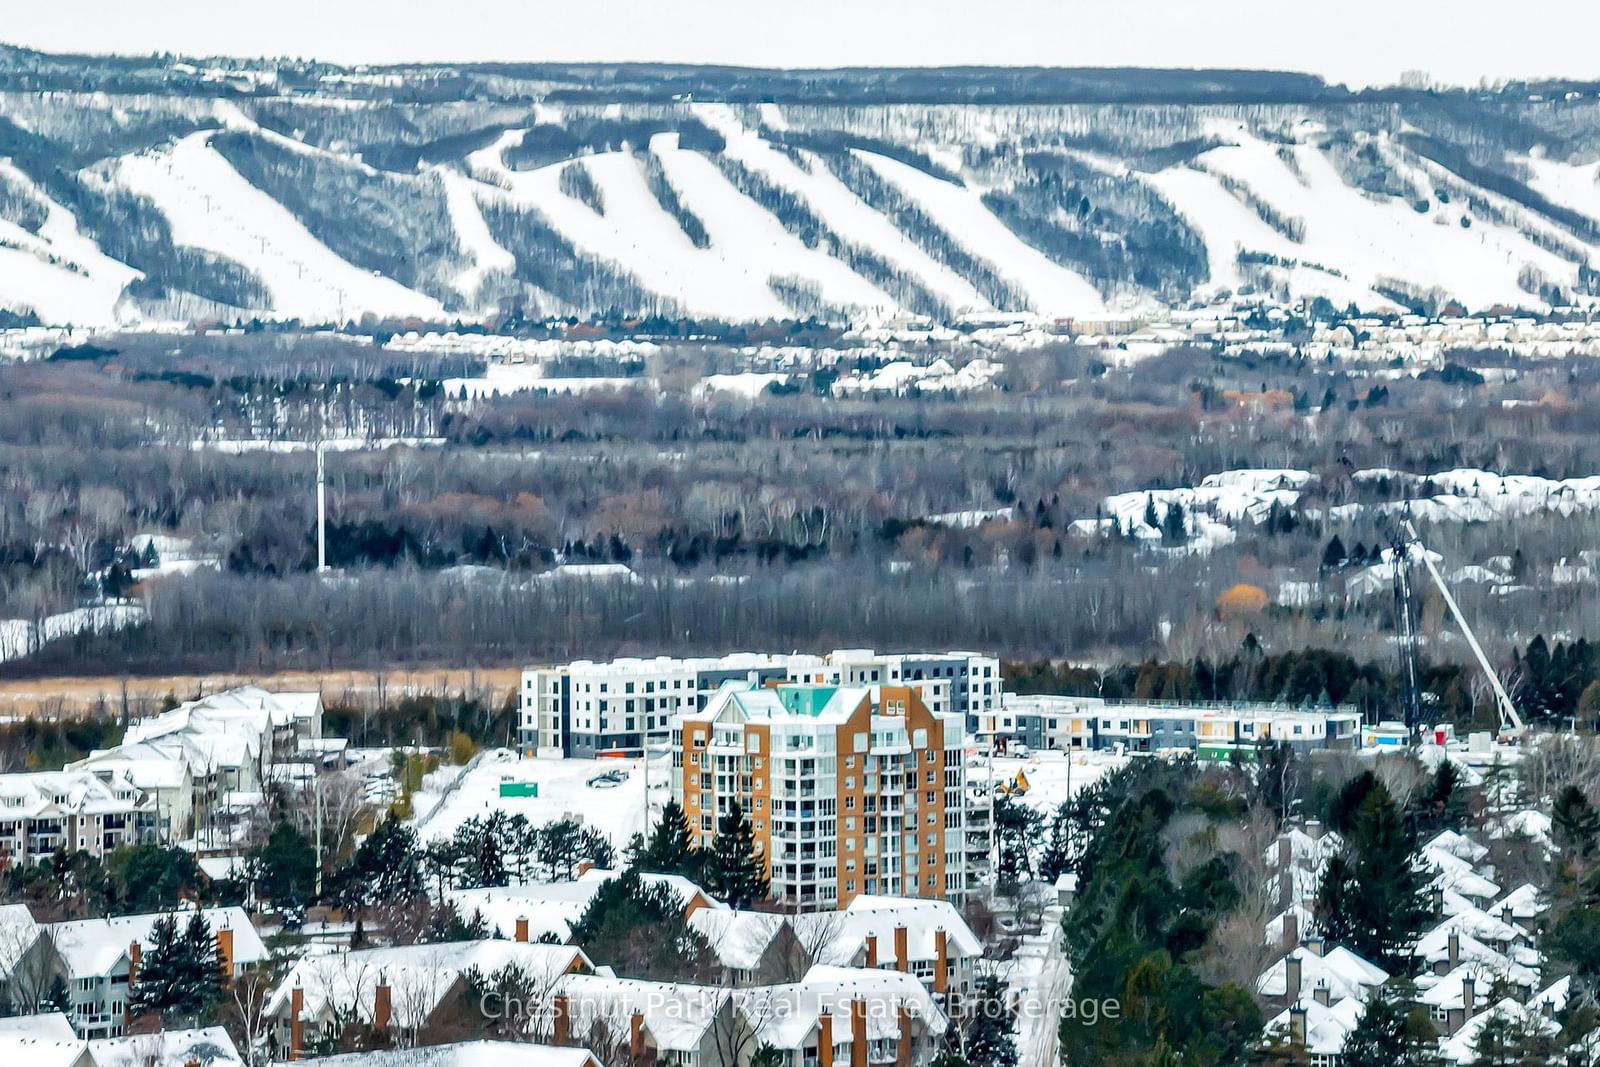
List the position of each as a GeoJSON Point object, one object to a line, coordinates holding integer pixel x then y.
{"type": "Point", "coordinates": [1052, 777]}
{"type": "Point", "coordinates": [564, 792]}
{"type": "Point", "coordinates": [19, 637]}
{"type": "Point", "coordinates": [1040, 978]}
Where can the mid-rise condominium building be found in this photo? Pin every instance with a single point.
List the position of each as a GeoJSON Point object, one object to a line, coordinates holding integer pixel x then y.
{"type": "Point", "coordinates": [71, 811]}
{"type": "Point", "coordinates": [585, 708]}
{"type": "Point", "coordinates": [850, 790]}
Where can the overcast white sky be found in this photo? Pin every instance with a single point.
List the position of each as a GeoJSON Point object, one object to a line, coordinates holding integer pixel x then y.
{"type": "Point", "coordinates": [1360, 42]}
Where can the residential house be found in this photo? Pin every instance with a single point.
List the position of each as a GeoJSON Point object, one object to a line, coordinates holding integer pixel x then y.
{"type": "Point", "coordinates": [101, 958]}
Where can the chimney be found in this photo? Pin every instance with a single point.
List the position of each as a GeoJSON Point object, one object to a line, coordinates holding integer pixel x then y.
{"type": "Point", "coordinates": [1455, 949]}
{"type": "Point", "coordinates": [1506, 916]}
{"type": "Point", "coordinates": [1297, 1023]}
{"type": "Point", "coordinates": [902, 1054]}
{"type": "Point", "coordinates": [584, 867]}
{"type": "Point", "coordinates": [858, 1032]}
{"type": "Point", "coordinates": [1321, 994]}
{"type": "Point", "coordinates": [134, 952]}
{"type": "Point", "coordinates": [297, 1005]}
{"type": "Point", "coordinates": [1291, 931]}
{"type": "Point", "coordinates": [1316, 945]}
{"type": "Point", "coordinates": [872, 950]}
{"type": "Point", "coordinates": [382, 1005]}
{"type": "Point", "coordinates": [522, 931]}
{"type": "Point", "coordinates": [1291, 977]}
{"type": "Point", "coordinates": [636, 1037]}
{"type": "Point", "coordinates": [902, 949]}
{"type": "Point", "coordinates": [824, 1039]}
{"type": "Point", "coordinates": [562, 1011]}
{"type": "Point", "coordinates": [1438, 899]}
{"type": "Point", "coordinates": [1467, 994]}
{"type": "Point", "coordinates": [1314, 829]}
{"type": "Point", "coordinates": [225, 953]}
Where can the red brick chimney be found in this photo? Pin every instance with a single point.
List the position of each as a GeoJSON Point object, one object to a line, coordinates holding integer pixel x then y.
{"type": "Point", "coordinates": [941, 964]}
{"type": "Point", "coordinates": [297, 1038]}
{"type": "Point", "coordinates": [902, 1054]}
{"type": "Point", "coordinates": [382, 1006]}
{"type": "Point", "coordinates": [858, 1032]}
{"type": "Point", "coordinates": [225, 953]}
{"type": "Point", "coordinates": [134, 953]}
{"type": "Point", "coordinates": [562, 1011]}
{"type": "Point", "coordinates": [522, 930]}
{"type": "Point", "coordinates": [902, 949]}
{"type": "Point", "coordinates": [872, 950]}
{"type": "Point", "coordinates": [636, 1037]}
{"type": "Point", "coordinates": [825, 1040]}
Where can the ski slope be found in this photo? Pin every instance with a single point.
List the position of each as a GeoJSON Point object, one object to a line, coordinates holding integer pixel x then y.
{"type": "Point", "coordinates": [637, 235]}
{"type": "Point", "coordinates": [211, 206]}
{"type": "Point", "coordinates": [1048, 287]}
{"type": "Point", "coordinates": [746, 235]}
{"type": "Point", "coordinates": [1370, 242]}
{"type": "Point", "coordinates": [58, 274]}
{"type": "Point", "coordinates": [847, 214]}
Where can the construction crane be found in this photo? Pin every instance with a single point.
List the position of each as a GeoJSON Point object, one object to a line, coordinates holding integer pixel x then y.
{"type": "Point", "coordinates": [1511, 725]}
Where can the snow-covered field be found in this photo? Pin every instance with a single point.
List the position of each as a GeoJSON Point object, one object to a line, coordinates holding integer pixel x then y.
{"type": "Point", "coordinates": [564, 792]}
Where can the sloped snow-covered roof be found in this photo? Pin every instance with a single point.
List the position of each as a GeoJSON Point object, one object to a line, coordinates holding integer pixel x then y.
{"type": "Point", "coordinates": [737, 937]}
{"type": "Point", "coordinates": [552, 907]}
{"type": "Point", "coordinates": [46, 1026]}
{"type": "Point", "coordinates": [18, 932]}
{"type": "Point", "coordinates": [678, 1015]}
{"type": "Point", "coordinates": [1462, 1046]}
{"type": "Point", "coordinates": [1484, 960]}
{"type": "Point", "coordinates": [786, 1015]}
{"type": "Point", "coordinates": [1457, 845]}
{"type": "Point", "coordinates": [1342, 972]}
{"type": "Point", "coordinates": [208, 1047]}
{"type": "Point", "coordinates": [1525, 902]}
{"type": "Point", "coordinates": [1327, 1026]}
{"type": "Point", "coordinates": [842, 934]}
{"type": "Point", "coordinates": [57, 794]}
{"type": "Point", "coordinates": [418, 976]}
{"type": "Point", "coordinates": [28, 1051]}
{"type": "Point", "coordinates": [99, 947]}
{"type": "Point", "coordinates": [466, 1054]}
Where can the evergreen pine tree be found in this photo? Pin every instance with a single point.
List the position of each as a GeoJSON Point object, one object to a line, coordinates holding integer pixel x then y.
{"type": "Point", "coordinates": [670, 847]}
{"type": "Point", "coordinates": [1175, 530]}
{"type": "Point", "coordinates": [1391, 1032]}
{"type": "Point", "coordinates": [57, 997]}
{"type": "Point", "coordinates": [180, 972]}
{"type": "Point", "coordinates": [1334, 556]}
{"type": "Point", "coordinates": [991, 1034]}
{"type": "Point", "coordinates": [1373, 898]}
{"type": "Point", "coordinates": [1151, 519]}
{"type": "Point", "coordinates": [735, 870]}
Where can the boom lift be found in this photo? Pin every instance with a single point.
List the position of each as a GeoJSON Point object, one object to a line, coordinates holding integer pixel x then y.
{"type": "Point", "coordinates": [1511, 725]}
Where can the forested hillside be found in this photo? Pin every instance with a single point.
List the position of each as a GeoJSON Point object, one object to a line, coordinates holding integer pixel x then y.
{"type": "Point", "coordinates": [135, 190]}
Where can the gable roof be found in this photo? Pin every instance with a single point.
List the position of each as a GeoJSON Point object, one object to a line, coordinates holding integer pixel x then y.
{"type": "Point", "coordinates": [98, 947]}
{"type": "Point", "coordinates": [552, 907]}
{"type": "Point", "coordinates": [418, 976]}
{"type": "Point", "coordinates": [1341, 971]}
{"type": "Point", "coordinates": [786, 1015]}
{"type": "Point", "coordinates": [1327, 1026]}
{"type": "Point", "coordinates": [27, 1051]}
{"type": "Point", "coordinates": [48, 1026]}
{"type": "Point", "coordinates": [467, 1054]}
{"type": "Point", "coordinates": [209, 1047]}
